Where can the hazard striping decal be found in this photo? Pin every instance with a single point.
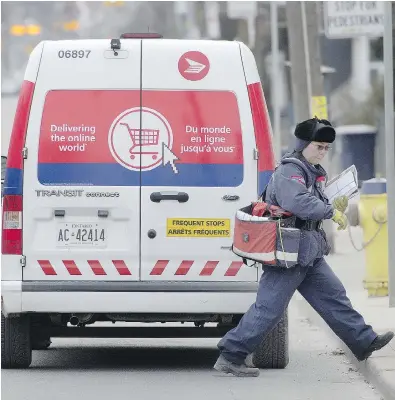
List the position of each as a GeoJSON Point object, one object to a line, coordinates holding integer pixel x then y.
{"type": "Point", "coordinates": [185, 266]}
{"type": "Point", "coordinates": [234, 268]}
{"type": "Point", "coordinates": [95, 265]}
{"type": "Point", "coordinates": [209, 268]}
{"type": "Point", "coordinates": [47, 267]}
{"type": "Point", "coordinates": [159, 267]}
{"type": "Point", "coordinates": [121, 267]}
{"type": "Point", "coordinates": [72, 267]}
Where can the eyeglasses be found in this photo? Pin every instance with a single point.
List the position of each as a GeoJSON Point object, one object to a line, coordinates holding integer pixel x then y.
{"type": "Point", "coordinates": [320, 147]}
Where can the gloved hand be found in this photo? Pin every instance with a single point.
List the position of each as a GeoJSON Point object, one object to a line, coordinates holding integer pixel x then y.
{"type": "Point", "coordinates": [340, 219]}
{"type": "Point", "coordinates": [340, 203]}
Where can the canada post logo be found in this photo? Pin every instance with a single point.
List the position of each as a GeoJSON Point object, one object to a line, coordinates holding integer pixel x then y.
{"type": "Point", "coordinates": [140, 148]}
{"type": "Point", "coordinates": [193, 65]}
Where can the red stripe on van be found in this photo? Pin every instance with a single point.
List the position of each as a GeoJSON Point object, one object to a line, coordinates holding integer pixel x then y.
{"type": "Point", "coordinates": [263, 135]}
{"type": "Point", "coordinates": [184, 267]}
{"type": "Point", "coordinates": [18, 134]}
{"type": "Point", "coordinates": [47, 267]}
{"type": "Point", "coordinates": [96, 267]}
{"type": "Point", "coordinates": [121, 267]}
{"type": "Point", "coordinates": [159, 267]}
{"type": "Point", "coordinates": [234, 268]}
{"type": "Point", "coordinates": [71, 267]}
{"type": "Point", "coordinates": [209, 268]}
{"type": "Point", "coordinates": [12, 238]}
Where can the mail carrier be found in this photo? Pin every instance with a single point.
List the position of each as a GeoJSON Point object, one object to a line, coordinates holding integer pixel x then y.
{"type": "Point", "coordinates": [127, 161]}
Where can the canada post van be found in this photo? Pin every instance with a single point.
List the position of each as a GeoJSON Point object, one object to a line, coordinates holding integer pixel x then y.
{"type": "Point", "coordinates": [128, 159]}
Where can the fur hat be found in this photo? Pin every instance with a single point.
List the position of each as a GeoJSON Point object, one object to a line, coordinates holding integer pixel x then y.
{"type": "Point", "coordinates": [315, 130]}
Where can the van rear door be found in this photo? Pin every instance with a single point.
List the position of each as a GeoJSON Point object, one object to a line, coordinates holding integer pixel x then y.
{"type": "Point", "coordinates": [81, 204]}
{"type": "Point", "coordinates": [197, 160]}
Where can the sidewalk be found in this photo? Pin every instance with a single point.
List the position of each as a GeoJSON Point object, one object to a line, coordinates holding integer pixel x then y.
{"type": "Point", "coordinates": [349, 266]}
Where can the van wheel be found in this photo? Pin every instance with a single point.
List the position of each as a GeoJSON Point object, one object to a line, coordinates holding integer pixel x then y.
{"type": "Point", "coordinates": [273, 351]}
{"type": "Point", "coordinates": [16, 348]}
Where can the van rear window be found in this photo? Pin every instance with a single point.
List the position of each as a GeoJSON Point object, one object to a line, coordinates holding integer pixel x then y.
{"type": "Point", "coordinates": [176, 138]}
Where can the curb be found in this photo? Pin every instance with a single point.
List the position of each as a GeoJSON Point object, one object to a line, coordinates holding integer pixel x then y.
{"type": "Point", "coordinates": [370, 368]}
{"type": "Point", "coordinates": [373, 374]}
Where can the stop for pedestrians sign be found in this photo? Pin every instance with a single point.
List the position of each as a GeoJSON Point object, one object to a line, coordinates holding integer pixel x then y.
{"type": "Point", "coordinates": [347, 19]}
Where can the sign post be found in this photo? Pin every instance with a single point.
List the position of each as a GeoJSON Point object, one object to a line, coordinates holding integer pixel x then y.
{"type": "Point", "coordinates": [389, 146]}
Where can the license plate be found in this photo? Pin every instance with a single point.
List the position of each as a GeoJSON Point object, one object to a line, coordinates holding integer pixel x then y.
{"type": "Point", "coordinates": [81, 235]}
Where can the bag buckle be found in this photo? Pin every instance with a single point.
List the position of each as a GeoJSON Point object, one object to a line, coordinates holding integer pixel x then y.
{"type": "Point", "coordinates": [309, 225]}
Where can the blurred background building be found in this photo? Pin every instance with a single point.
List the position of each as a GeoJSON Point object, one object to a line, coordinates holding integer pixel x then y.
{"type": "Point", "coordinates": [353, 68]}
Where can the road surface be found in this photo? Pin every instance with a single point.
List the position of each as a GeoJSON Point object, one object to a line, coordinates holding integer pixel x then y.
{"type": "Point", "coordinates": [166, 369]}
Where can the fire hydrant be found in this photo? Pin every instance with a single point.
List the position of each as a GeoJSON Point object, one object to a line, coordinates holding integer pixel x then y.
{"type": "Point", "coordinates": [370, 213]}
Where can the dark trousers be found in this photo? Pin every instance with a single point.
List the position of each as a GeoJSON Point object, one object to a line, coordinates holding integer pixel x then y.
{"type": "Point", "coordinates": [320, 287]}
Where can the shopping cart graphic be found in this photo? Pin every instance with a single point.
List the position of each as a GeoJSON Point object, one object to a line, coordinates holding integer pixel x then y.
{"type": "Point", "coordinates": [142, 139]}
{"type": "Point", "coordinates": [136, 138]}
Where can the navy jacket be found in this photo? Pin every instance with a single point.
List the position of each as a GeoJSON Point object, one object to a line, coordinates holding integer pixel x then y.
{"type": "Point", "coordinates": [297, 187]}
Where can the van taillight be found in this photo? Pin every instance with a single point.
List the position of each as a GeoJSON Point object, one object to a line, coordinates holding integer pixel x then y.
{"type": "Point", "coordinates": [12, 225]}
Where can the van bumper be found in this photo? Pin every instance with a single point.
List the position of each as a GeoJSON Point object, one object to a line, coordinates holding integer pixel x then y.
{"type": "Point", "coordinates": [11, 297]}
{"type": "Point", "coordinates": [138, 297]}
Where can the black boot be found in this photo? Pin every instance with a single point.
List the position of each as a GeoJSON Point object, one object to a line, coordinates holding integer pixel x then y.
{"type": "Point", "coordinates": [377, 344]}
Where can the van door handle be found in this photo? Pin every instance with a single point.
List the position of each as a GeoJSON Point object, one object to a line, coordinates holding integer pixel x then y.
{"type": "Point", "coordinates": [181, 197]}
{"type": "Point", "coordinates": [230, 197]}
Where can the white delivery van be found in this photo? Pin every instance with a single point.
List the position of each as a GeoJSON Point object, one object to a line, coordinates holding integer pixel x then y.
{"type": "Point", "coordinates": [128, 159]}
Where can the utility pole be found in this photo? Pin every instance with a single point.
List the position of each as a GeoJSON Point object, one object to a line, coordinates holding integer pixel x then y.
{"type": "Point", "coordinates": [307, 81]}
{"type": "Point", "coordinates": [389, 145]}
{"type": "Point", "coordinates": [275, 95]}
{"type": "Point", "coordinates": [261, 40]}
{"type": "Point", "coordinates": [242, 31]}
{"type": "Point", "coordinates": [297, 52]}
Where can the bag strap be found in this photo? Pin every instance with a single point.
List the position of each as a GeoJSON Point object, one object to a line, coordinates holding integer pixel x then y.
{"type": "Point", "coordinates": [245, 262]}
{"type": "Point", "coordinates": [263, 194]}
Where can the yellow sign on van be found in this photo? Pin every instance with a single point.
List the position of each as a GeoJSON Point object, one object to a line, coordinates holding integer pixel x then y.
{"type": "Point", "coordinates": [198, 227]}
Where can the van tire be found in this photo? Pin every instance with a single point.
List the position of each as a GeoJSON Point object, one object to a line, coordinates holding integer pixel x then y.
{"type": "Point", "coordinates": [273, 352]}
{"type": "Point", "coordinates": [16, 348]}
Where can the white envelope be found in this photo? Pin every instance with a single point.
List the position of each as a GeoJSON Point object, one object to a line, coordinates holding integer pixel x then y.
{"type": "Point", "coordinates": [346, 183]}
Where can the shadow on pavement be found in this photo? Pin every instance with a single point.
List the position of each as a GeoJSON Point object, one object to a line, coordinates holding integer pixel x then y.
{"type": "Point", "coordinates": [125, 357]}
